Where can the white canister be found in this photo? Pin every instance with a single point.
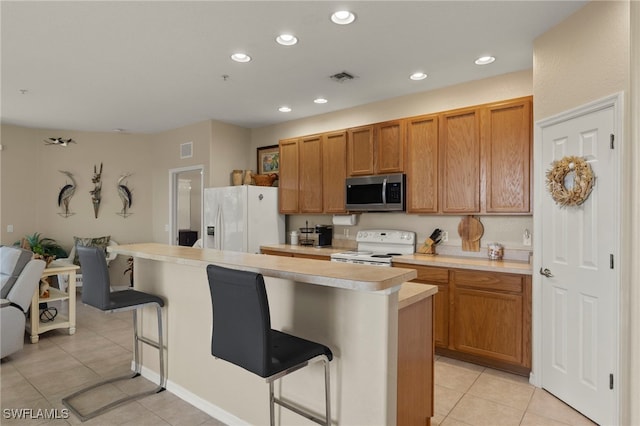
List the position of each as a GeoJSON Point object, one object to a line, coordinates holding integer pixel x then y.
{"type": "Point", "coordinates": [294, 238]}
{"type": "Point", "coordinates": [495, 251]}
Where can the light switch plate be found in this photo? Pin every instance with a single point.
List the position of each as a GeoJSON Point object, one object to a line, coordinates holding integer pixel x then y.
{"type": "Point", "coordinates": [526, 238]}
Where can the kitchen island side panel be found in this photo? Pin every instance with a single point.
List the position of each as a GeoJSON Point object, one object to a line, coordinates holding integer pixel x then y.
{"type": "Point", "coordinates": [360, 327]}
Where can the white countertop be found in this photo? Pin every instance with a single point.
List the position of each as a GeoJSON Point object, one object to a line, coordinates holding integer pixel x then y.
{"type": "Point", "coordinates": [438, 260]}
{"type": "Point", "coordinates": [339, 275]}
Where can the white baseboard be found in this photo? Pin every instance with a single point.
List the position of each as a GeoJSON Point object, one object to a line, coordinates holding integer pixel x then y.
{"type": "Point", "coordinates": [193, 399]}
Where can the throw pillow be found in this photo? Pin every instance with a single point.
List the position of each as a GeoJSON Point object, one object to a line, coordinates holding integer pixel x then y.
{"type": "Point", "coordinates": [101, 242]}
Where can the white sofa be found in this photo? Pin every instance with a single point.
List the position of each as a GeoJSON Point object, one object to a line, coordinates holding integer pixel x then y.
{"type": "Point", "coordinates": [20, 275]}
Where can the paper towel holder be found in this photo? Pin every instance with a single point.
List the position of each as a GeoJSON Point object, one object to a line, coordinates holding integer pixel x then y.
{"type": "Point", "coordinates": [345, 219]}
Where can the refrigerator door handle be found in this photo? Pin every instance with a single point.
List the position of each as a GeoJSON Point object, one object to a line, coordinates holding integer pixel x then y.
{"type": "Point", "coordinates": [217, 240]}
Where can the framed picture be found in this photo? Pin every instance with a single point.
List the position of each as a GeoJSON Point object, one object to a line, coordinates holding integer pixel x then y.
{"type": "Point", "coordinates": [268, 159]}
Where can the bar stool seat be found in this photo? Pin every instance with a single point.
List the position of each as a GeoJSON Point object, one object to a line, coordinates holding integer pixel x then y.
{"type": "Point", "coordinates": [97, 292]}
{"type": "Point", "coordinates": [242, 335]}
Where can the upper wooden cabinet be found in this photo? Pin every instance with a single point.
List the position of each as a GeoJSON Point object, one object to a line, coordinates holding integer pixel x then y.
{"type": "Point", "coordinates": [376, 149]}
{"type": "Point", "coordinates": [310, 169]}
{"type": "Point", "coordinates": [360, 150]}
{"type": "Point", "coordinates": [312, 178]}
{"type": "Point", "coordinates": [389, 142]}
{"type": "Point", "coordinates": [334, 171]}
{"type": "Point", "coordinates": [506, 151]}
{"type": "Point", "coordinates": [474, 160]}
{"type": "Point", "coordinates": [459, 164]}
{"type": "Point", "coordinates": [422, 164]}
{"type": "Point", "coordinates": [289, 176]}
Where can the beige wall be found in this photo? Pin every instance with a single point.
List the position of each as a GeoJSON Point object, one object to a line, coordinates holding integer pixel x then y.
{"type": "Point", "coordinates": [585, 58]}
{"type": "Point", "coordinates": [230, 149]}
{"type": "Point", "coordinates": [164, 156]}
{"type": "Point", "coordinates": [31, 182]}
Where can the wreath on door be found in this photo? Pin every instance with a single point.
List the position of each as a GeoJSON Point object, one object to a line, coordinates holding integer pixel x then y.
{"type": "Point", "coordinates": [570, 181]}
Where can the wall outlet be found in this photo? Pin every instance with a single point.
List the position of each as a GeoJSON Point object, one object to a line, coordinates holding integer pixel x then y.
{"type": "Point", "coordinates": [444, 237]}
{"type": "Point", "coordinates": [526, 238]}
{"type": "Point", "coordinates": [9, 228]}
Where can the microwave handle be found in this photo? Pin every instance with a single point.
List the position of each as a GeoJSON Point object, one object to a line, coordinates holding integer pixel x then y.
{"type": "Point", "coordinates": [384, 191]}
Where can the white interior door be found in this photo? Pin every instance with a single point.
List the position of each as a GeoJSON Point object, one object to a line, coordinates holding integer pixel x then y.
{"type": "Point", "coordinates": [580, 296]}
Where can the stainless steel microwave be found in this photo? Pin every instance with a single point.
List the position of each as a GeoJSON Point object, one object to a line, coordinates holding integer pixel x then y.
{"type": "Point", "coordinates": [379, 193]}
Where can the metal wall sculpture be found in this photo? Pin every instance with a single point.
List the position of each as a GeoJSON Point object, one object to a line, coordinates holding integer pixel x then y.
{"type": "Point", "coordinates": [65, 194]}
{"type": "Point", "coordinates": [96, 196]}
{"type": "Point", "coordinates": [125, 195]}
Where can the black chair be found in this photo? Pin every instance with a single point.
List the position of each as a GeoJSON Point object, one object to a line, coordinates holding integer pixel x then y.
{"type": "Point", "coordinates": [242, 335]}
{"type": "Point", "coordinates": [96, 292]}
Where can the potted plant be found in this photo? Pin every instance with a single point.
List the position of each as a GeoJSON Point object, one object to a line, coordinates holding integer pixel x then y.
{"type": "Point", "coordinates": [42, 247]}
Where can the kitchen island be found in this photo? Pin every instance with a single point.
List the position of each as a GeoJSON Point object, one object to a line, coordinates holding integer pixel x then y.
{"type": "Point", "coordinates": [353, 309]}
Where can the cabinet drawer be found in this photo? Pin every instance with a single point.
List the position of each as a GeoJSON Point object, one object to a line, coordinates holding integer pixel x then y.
{"type": "Point", "coordinates": [427, 274]}
{"type": "Point", "coordinates": [489, 281]}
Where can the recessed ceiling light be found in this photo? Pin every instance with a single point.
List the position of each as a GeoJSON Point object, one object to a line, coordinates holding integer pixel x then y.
{"type": "Point", "coordinates": [418, 76]}
{"type": "Point", "coordinates": [241, 57]}
{"type": "Point", "coordinates": [287, 39]}
{"type": "Point", "coordinates": [484, 60]}
{"type": "Point", "coordinates": [320, 101]}
{"type": "Point", "coordinates": [343, 17]}
{"type": "Point", "coordinates": [284, 109]}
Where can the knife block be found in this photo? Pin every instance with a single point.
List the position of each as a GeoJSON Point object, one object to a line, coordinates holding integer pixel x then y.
{"type": "Point", "coordinates": [428, 247]}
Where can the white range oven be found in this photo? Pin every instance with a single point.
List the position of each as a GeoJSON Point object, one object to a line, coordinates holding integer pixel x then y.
{"type": "Point", "coordinates": [378, 246]}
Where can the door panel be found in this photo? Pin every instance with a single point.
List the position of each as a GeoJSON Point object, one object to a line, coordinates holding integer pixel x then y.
{"type": "Point", "coordinates": [579, 319]}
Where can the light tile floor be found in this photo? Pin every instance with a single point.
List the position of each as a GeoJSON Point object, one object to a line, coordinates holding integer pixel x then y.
{"type": "Point", "coordinates": [41, 374]}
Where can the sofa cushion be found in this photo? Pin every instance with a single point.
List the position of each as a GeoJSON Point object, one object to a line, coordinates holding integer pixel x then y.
{"type": "Point", "coordinates": [101, 242]}
{"type": "Point", "coordinates": [12, 262]}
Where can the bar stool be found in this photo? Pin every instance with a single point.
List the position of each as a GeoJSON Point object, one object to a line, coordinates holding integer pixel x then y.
{"type": "Point", "coordinates": [242, 335]}
{"type": "Point", "coordinates": [96, 292]}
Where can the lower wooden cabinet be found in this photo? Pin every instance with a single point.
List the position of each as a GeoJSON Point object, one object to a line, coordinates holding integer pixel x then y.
{"type": "Point", "coordinates": [415, 364]}
{"type": "Point", "coordinates": [298, 255]}
{"type": "Point", "coordinates": [481, 316]}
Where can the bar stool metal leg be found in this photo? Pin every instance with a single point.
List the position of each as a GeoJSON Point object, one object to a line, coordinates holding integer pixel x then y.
{"type": "Point", "coordinates": [137, 340]}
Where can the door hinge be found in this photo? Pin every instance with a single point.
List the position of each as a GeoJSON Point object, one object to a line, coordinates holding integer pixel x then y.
{"type": "Point", "coordinates": [611, 139]}
{"type": "Point", "coordinates": [610, 261]}
{"type": "Point", "coordinates": [610, 381]}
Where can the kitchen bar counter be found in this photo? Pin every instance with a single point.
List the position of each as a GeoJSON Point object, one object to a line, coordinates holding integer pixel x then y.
{"type": "Point", "coordinates": [356, 310]}
{"type": "Point", "coordinates": [351, 277]}
{"type": "Point", "coordinates": [443, 261]}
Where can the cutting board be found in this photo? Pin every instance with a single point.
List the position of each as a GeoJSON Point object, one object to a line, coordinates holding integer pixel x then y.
{"type": "Point", "coordinates": [470, 230]}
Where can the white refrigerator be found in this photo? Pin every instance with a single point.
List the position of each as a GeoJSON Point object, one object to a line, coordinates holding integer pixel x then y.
{"type": "Point", "coordinates": [242, 218]}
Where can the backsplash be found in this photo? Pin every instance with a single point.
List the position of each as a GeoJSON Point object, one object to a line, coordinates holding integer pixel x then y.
{"type": "Point", "coordinates": [506, 230]}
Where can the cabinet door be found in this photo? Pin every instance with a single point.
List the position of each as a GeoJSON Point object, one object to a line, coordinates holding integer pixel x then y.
{"type": "Point", "coordinates": [389, 142]}
{"type": "Point", "coordinates": [460, 161]}
{"type": "Point", "coordinates": [488, 315]}
{"type": "Point", "coordinates": [422, 164]}
{"type": "Point", "coordinates": [310, 170]}
{"type": "Point", "coordinates": [288, 182]}
{"type": "Point", "coordinates": [441, 302]}
{"type": "Point", "coordinates": [360, 151]}
{"type": "Point", "coordinates": [506, 143]}
{"type": "Point", "coordinates": [334, 171]}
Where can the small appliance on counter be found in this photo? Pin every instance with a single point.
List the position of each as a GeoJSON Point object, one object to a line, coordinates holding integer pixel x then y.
{"type": "Point", "coordinates": [325, 235]}
{"type": "Point", "coordinates": [305, 237]}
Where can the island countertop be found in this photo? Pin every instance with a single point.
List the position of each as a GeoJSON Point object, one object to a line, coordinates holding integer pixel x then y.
{"type": "Point", "coordinates": [339, 275]}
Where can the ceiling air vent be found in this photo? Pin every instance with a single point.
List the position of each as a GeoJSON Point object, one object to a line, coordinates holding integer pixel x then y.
{"type": "Point", "coordinates": [341, 77]}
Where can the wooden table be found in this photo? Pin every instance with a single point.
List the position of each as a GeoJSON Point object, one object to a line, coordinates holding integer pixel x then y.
{"type": "Point", "coordinates": [35, 327]}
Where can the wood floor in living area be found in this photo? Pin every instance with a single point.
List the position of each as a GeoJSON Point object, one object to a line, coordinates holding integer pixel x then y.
{"type": "Point", "coordinates": [41, 374]}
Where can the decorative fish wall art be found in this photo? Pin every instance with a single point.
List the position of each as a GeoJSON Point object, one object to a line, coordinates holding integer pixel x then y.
{"type": "Point", "coordinates": [96, 196]}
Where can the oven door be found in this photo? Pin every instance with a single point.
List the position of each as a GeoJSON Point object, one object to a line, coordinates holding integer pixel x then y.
{"type": "Point", "coordinates": [375, 193]}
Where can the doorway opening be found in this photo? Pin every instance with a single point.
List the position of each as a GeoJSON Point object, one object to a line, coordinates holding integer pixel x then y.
{"type": "Point", "coordinates": [186, 201]}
